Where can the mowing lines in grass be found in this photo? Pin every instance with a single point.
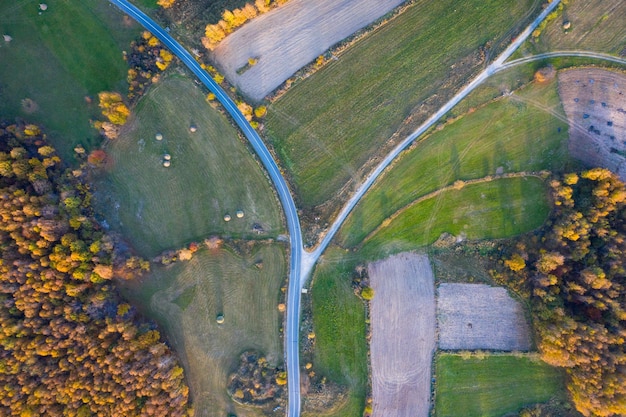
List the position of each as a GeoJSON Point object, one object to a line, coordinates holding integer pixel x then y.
{"type": "Point", "coordinates": [327, 127]}
{"type": "Point", "coordinates": [505, 135]}
{"type": "Point", "coordinates": [185, 300]}
{"type": "Point", "coordinates": [339, 324]}
{"type": "Point", "coordinates": [211, 174]}
{"type": "Point", "coordinates": [500, 208]}
{"type": "Point", "coordinates": [493, 386]}
{"type": "Point", "coordinates": [56, 58]}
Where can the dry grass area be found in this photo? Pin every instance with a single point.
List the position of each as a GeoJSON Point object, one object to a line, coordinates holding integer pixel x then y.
{"type": "Point", "coordinates": [477, 316]}
{"type": "Point", "coordinates": [289, 37]}
{"type": "Point", "coordinates": [403, 335]}
{"type": "Point", "coordinates": [595, 105]}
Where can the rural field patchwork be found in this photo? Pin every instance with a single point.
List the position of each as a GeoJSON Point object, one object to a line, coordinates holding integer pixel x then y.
{"type": "Point", "coordinates": [327, 127]}
{"type": "Point", "coordinates": [211, 175]}
{"type": "Point", "coordinates": [185, 299]}
{"type": "Point", "coordinates": [403, 335]}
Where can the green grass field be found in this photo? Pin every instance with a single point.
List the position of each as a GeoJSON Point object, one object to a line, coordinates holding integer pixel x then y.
{"type": "Point", "coordinates": [56, 58]}
{"type": "Point", "coordinates": [491, 210]}
{"type": "Point", "coordinates": [185, 300]}
{"type": "Point", "coordinates": [212, 173]}
{"type": "Point", "coordinates": [517, 133]}
{"type": "Point", "coordinates": [493, 386]}
{"type": "Point", "coordinates": [339, 325]}
{"type": "Point", "coordinates": [596, 25]}
{"type": "Point", "coordinates": [326, 127]}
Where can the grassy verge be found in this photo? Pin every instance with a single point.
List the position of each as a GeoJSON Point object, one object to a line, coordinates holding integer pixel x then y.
{"type": "Point", "coordinates": [328, 126]}
{"type": "Point", "coordinates": [211, 174]}
{"type": "Point", "coordinates": [514, 133]}
{"type": "Point", "coordinates": [493, 386]}
{"type": "Point", "coordinates": [185, 300]}
{"type": "Point", "coordinates": [490, 210]}
{"type": "Point", "coordinates": [57, 58]}
{"type": "Point", "coordinates": [339, 325]}
{"type": "Point", "coordinates": [596, 25]}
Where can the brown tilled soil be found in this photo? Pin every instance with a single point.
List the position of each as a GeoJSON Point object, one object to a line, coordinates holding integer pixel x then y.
{"type": "Point", "coordinates": [403, 335]}
{"type": "Point", "coordinates": [289, 37]}
{"type": "Point", "coordinates": [595, 103]}
{"type": "Point", "coordinates": [477, 316]}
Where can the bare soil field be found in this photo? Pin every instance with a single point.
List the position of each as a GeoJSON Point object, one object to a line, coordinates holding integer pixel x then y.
{"type": "Point", "coordinates": [477, 316]}
{"type": "Point", "coordinates": [289, 37]}
{"type": "Point", "coordinates": [595, 105]}
{"type": "Point", "coordinates": [403, 335]}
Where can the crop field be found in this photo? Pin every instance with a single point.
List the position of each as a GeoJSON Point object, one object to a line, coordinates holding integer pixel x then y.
{"type": "Point", "coordinates": [493, 386]}
{"type": "Point", "coordinates": [211, 174]}
{"type": "Point", "coordinates": [478, 316]}
{"type": "Point", "coordinates": [56, 59]}
{"type": "Point", "coordinates": [339, 325]}
{"type": "Point", "coordinates": [497, 209]}
{"type": "Point", "coordinates": [403, 334]}
{"type": "Point", "coordinates": [596, 25]}
{"type": "Point", "coordinates": [186, 298]}
{"type": "Point", "coordinates": [326, 128]}
{"type": "Point", "coordinates": [526, 131]}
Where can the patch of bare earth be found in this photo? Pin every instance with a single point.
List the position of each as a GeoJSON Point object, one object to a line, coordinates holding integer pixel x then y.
{"type": "Point", "coordinates": [477, 316]}
{"type": "Point", "coordinates": [595, 103]}
{"type": "Point", "coordinates": [403, 335]}
{"type": "Point", "coordinates": [289, 37]}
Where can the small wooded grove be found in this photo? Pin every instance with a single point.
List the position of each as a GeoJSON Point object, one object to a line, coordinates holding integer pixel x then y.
{"type": "Point", "coordinates": [69, 346]}
{"type": "Point", "coordinates": [574, 272]}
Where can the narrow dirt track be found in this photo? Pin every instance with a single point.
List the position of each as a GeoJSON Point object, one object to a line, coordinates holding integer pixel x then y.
{"type": "Point", "coordinates": [403, 335]}
{"type": "Point", "coordinates": [289, 37]}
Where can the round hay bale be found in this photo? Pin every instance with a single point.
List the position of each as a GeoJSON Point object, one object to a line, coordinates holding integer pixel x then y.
{"type": "Point", "coordinates": [43, 6]}
{"type": "Point", "coordinates": [227, 217]}
{"type": "Point", "coordinates": [166, 164]}
{"type": "Point", "coordinates": [567, 24]}
{"type": "Point", "coordinates": [167, 157]}
{"type": "Point", "coordinates": [193, 128]}
{"type": "Point", "coordinates": [220, 318]}
{"type": "Point", "coordinates": [239, 214]}
{"type": "Point", "coordinates": [158, 136]}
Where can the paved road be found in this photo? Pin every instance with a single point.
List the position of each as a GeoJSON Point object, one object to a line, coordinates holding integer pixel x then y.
{"type": "Point", "coordinates": [291, 214]}
{"type": "Point", "coordinates": [310, 258]}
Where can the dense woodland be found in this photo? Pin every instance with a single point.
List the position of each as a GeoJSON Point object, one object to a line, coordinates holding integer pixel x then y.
{"type": "Point", "coordinates": [574, 273]}
{"type": "Point", "coordinates": [68, 344]}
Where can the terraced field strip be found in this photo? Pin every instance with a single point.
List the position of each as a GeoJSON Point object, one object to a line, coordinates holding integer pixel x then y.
{"type": "Point", "coordinates": [492, 386]}
{"type": "Point", "coordinates": [500, 208]}
{"type": "Point", "coordinates": [56, 58]}
{"type": "Point", "coordinates": [327, 128]}
{"type": "Point", "coordinates": [185, 300]}
{"type": "Point", "coordinates": [502, 136]}
{"type": "Point", "coordinates": [403, 335]}
{"type": "Point", "coordinates": [211, 175]}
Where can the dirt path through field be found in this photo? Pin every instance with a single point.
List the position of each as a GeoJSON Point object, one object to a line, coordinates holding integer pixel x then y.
{"type": "Point", "coordinates": [289, 37]}
{"type": "Point", "coordinates": [403, 335]}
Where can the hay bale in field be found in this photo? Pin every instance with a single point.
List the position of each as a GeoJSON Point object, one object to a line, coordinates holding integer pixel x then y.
{"type": "Point", "coordinates": [158, 136]}
{"type": "Point", "coordinates": [227, 217]}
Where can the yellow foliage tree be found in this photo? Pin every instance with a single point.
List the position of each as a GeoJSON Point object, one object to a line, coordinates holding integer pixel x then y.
{"type": "Point", "coordinates": [113, 108]}
{"type": "Point", "coordinates": [166, 4]}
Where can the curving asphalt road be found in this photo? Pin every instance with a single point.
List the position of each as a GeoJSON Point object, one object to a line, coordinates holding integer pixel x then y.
{"type": "Point", "coordinates": [293, 224]}
{"type": "Point", "coordinates": [310, 258]}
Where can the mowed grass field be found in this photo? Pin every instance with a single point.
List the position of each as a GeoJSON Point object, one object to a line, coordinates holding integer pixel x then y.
{"type": "Point", "coordinates": [212, 174]}
{"type": "Point", "coordinates": [493, 386]}
{"type": "Point", "coordinates": [339, 325]}
{"type": "Point", "coordinates": [596, 25]}
{"type": "Point", "coordinates": [516, 133]}
{"type": "Point", "coordinates": [329, 125]}
{"type": "Point", "coordinates": [186, 298]}
{"type": "Point", "coordinates": [57, 58]}
{"type": "Point", "coordinates": [491, 210]}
